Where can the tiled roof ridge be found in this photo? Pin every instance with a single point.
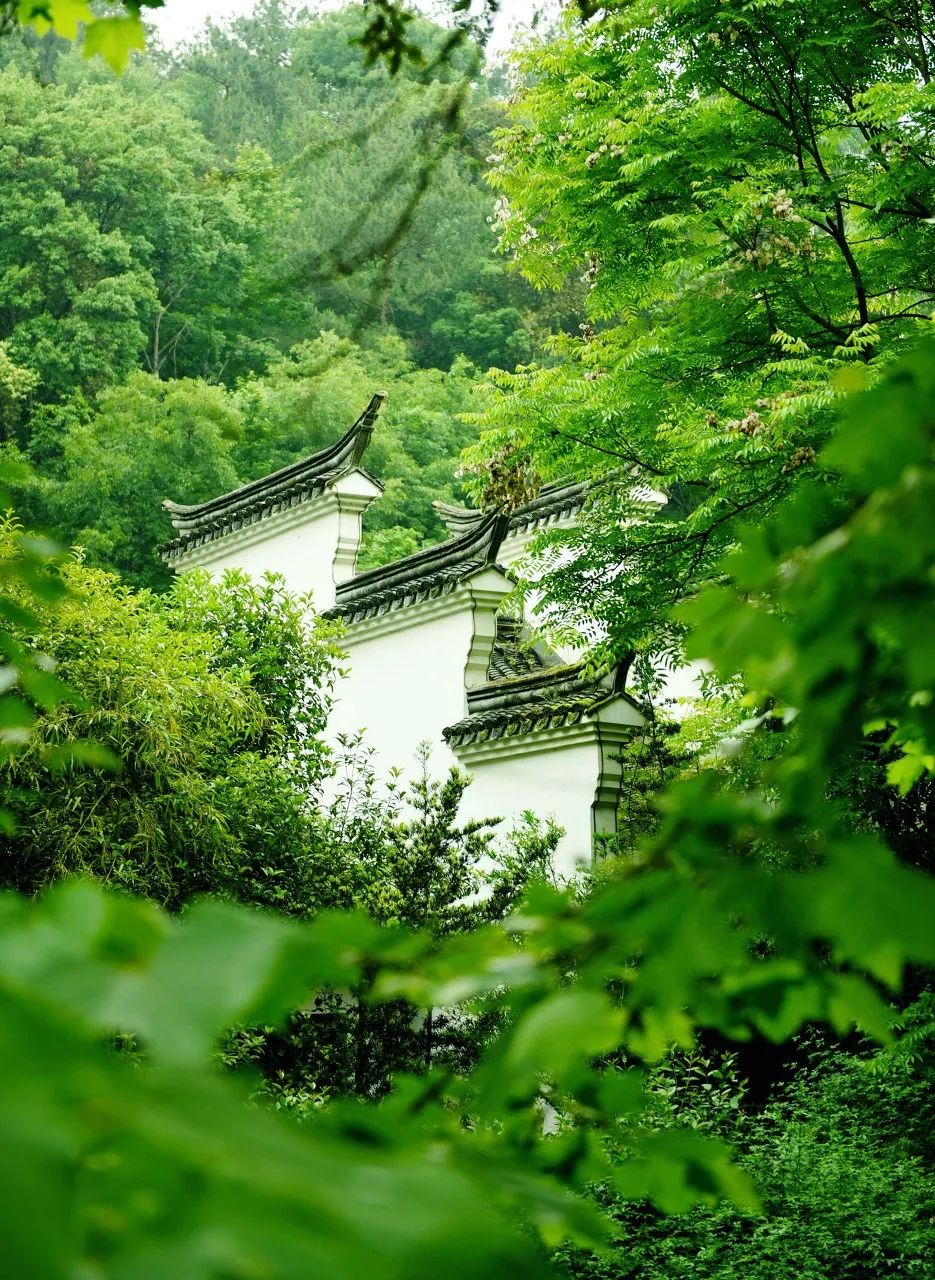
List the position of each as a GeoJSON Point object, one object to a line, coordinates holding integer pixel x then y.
{"type": "Point", "coordinates": [566, 677]}
{"type": "Point", "coordinates": [430, 572]}
{"type": "Point", "coordinates": [544, 699]}
{"type": "Point", "coordinates": [205, 521]}
{"type": "Point", "coordinates": [555, 499]}
{"type": "Point", "coordinates": [517, 651]}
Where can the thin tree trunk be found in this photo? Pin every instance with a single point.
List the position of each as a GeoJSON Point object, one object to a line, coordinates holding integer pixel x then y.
{"type": "Point", "coordinates": [429, 1032]}
{"type": "Point", "coordinates": [361, 1055]}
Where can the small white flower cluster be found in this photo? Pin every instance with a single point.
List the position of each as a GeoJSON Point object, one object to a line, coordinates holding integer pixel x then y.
{"type": "Point", "coordinates": [781, 204]}
{"type": "Point", "coordinates": [751, 424]}
{"type": "Point", "coordinates": [502, 213]}
{"type": "Point", "coordinates": [606, 148]}
{"type": "Point", "coordinates": [501, 210]}
{"type": "Point", "coordinates": [590, 276]}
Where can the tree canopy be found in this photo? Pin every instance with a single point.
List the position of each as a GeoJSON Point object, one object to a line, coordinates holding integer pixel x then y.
{"type": "Point", "coordinates": [207, 220]}
{"type": "Point", "coordinates": [745, 189]}
{"type": "Point", "coordinates": [209, 705]}
{"type": "Point", "coordinates": [464, 1068]}
{"type": "Point", "coordinates": [119, 236]}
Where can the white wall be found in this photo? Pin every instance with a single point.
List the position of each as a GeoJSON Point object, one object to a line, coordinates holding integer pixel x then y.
{"type": "Point", "coordinates": [407, 673]}
{"type": "Point", "coordinates": [557, 784]}
{"type": "Point", "coordinates": [405, 686]}
{"type": "Point", "coordinates": [572, 774]}
{"type": "Point", "coordinates": [312, 545]}
{"type": "Point", "coordinates": [303, 554]}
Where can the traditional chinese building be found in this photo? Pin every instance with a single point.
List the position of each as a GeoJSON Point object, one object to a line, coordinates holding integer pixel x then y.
{"type": "Point", "coordinates": [431, 655]}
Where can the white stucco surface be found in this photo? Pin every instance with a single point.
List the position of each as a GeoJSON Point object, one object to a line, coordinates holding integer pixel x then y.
{"type": "Point", "coordinates": [409, 670]}
{"type": "Point", "coordinates": [405, 687]}
{"type": "Point", "coordinates": [313, 545]}
{"type": "Point", "coordinates": [571, 775]}
{"type": "Point", "coordinates": [412, 660]}
{"type": "Point", "coordinates": [554, 784]}
{"type": "Point", "coordinates": [294, 553]}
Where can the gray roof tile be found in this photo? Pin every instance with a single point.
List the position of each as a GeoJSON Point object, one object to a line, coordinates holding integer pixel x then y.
{"type": "Point", "coordinates": [296, 483]}
{"type": "Point", "coordinates": [434, 571]}
{"type": "Point", "coordinates": [543, 699]}
{"type": "Point", "coordinates": [552, 502]}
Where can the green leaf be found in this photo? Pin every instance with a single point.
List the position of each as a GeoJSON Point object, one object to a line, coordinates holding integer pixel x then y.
{"type": "Point", "coordinates": [62, 16]}
{"type": "Point", "coordinates": [562, 1032]}
{"type": "Point", "coordinates": [905, 771]}
{"type": "Point", "coordinates": [114, 39]}
{"type": "Point", "coordinates": [219, 967]}
{"type": "Point", "coordinates": [884, 429]}
{"type": "Point", "coordinates": [15, 714]}
{"type": "Point", "coordinates": [679, 1169]}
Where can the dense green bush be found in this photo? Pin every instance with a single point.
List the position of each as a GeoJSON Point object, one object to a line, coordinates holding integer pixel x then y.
{"type": "Point", "coordinates": [396, 850]}
{"type": "Point", "coordinates": [842, 1157]}
{"type": "Point", "coordinates": [210, 704]}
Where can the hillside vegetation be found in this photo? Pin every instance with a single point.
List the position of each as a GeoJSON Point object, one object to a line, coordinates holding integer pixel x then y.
{"type": "Point", "coordinates": [264, 1014]}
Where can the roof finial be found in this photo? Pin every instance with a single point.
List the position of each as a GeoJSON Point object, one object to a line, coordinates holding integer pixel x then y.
{"type": "Point", "coordinates": [291, 484]}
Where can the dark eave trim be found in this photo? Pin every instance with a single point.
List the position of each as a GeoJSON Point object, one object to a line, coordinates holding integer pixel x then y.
{"type": "Point", "coordinates": [290, 485]}
{"type": "Point", "coordinates": [548, 699]}
{"type": "Point", "coordinates": [553, 500]}
{"type": "Point", "coordinates": [433, 571]}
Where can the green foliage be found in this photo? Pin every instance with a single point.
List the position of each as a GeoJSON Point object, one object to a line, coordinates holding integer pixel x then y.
{"type": "Point", "coordinates": [414, 863]}
{"type": "Point", "coordinates": [657, 151]}
{"type": "Point", "coordinates": [119, 236]}
{"type": "Point", "coordinates": [114, 37]}
{"type": "Point", "coordinates": [841, 1156]}
{"type": "Point", "coordinates": [389, 32]}
{"type": "Point", "coordinates": [16, 385]}
{"type": "Point", "coordinates": [28, 584]}
{"type": "Point", "coordinates": [136, 1166]}
{"type": "Point", "coordinates": [397, 851]}
{"type": "Point", "coordinates": [748, 912]}
{"type": "Point", "coordinates": [107, 469]}
{"type": "Point", "coordinates": [754, 908]}
{"type": "Point", "coordinates": [147, 440]}
{"type": "Point", "coordinates": [840, 665]}
{"type": "Point", "coordinates": [390, 214]}
{"type": "Point", "coordinates": [209, 705]}
{"type": "Point", "coordinates": [746, 192]}
{"type": "Point", "coordinates": [197, 224]}
{"type": "Point", "coordinates": [479, 330]}
{"type": "Point", "coordinates": [288, 651]}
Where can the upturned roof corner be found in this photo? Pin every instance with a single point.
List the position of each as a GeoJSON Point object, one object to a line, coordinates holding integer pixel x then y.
{"type": "Point", "coordinates": [291, 485]}
{"type": "Point", "coordinates": [425, 574]}
{"type": "Point", "coordinates": [544, 694]}
{"type": "Point", "coordinates": [553, 502]}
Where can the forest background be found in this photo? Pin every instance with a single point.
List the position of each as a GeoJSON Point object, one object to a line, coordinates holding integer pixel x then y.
{"type": "Point", "coordinates": [722, 219]}
{"type": "Point", "coordinates": [210, 263]}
